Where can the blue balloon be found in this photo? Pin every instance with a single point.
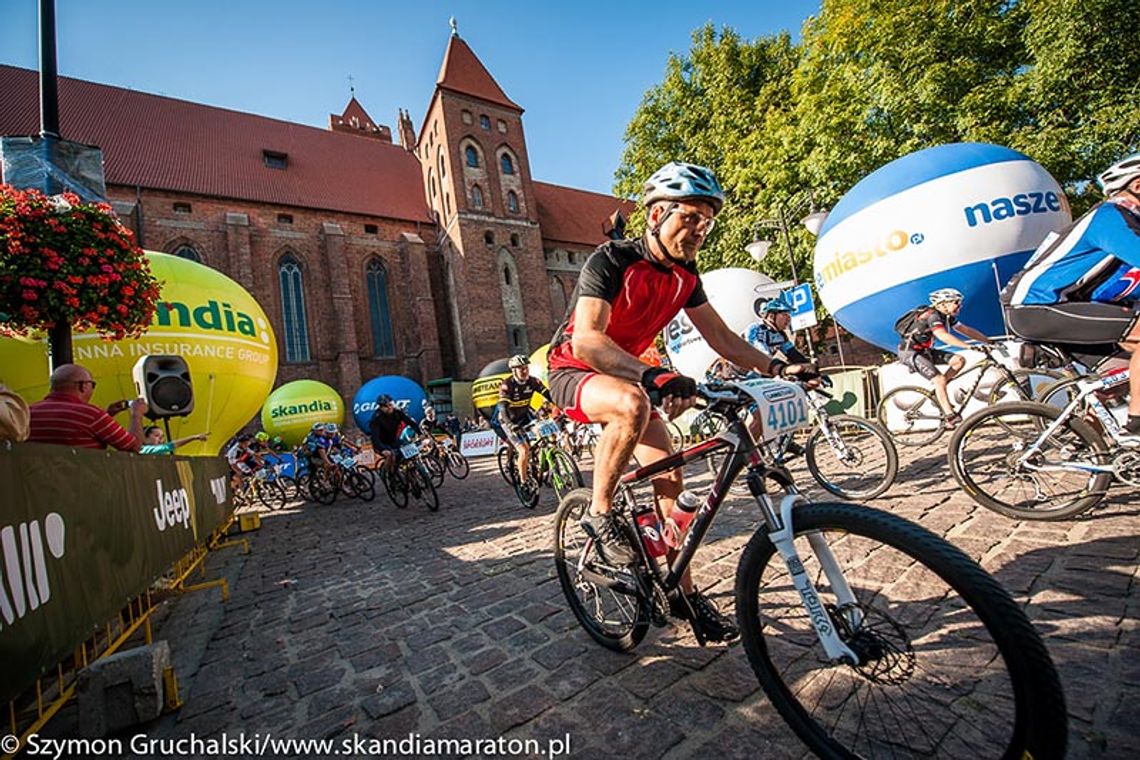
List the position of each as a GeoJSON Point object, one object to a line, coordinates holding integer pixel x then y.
{"type": "Point", "coordinates": [407, 394]}
{"type": "Point", "coordinates": [964, 215]}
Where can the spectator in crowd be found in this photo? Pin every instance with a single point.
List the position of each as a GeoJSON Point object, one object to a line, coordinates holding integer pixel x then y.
{"type": "Point", "coordinates": [67, 417]}
{"type": "Point", "coordinates": [13, 416]}
{"type": "Point", "coordinates": [154, 441]}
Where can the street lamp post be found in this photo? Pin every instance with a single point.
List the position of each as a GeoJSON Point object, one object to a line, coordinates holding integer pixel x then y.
{"type": "Point", "coordinates": [799, 203]}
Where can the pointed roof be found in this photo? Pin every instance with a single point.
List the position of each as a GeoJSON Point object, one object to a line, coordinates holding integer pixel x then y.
{"type": "Point", "coordinates": [356, 111]}
{"type": "Point", "coordinates": [165, 144]}
{"type": "Point", "coordinates": [463, 73]}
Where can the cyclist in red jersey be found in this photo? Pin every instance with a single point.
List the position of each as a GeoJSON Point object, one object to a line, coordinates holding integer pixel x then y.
{"type": "Point", "coordinates": [627, 292]}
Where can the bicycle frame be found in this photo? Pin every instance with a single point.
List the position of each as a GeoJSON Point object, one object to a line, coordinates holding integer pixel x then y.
{"type": "Point", "coordinates": [743, 452]}
{"type": "Point", "coordinates": [1085, 398]}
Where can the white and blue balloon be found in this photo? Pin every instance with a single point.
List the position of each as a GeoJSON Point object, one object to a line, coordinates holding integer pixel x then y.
{"type": "Point", "coordinates": [965, 215]}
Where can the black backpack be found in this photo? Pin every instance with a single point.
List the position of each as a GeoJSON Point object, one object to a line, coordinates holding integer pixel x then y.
{"type": "Point", "coordinates": [905, 325]}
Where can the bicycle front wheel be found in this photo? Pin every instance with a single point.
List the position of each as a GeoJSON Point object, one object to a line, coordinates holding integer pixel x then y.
{"type": "Point", "coordinates": [856, 461]}
{"type": "Point", "coordinates": [949, 665]}
{"type": "Point", "coordinates": [987, 457]}
{"type": "Point", "coordinates": [612, 617]}
{"type": "Point", "coordinates": [506, 461]}
{"type": "Point", "coordinates": [458, 465]}
{"type": "Point", "coordinates": [564, 474]}
{"type": "Point", "coordinates": [911, 415]}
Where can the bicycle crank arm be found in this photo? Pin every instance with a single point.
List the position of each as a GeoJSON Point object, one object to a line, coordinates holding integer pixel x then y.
{"type": "Point", "coordinates": [614, 584]}
{"type": "Point", "coordinates": [825, 628]}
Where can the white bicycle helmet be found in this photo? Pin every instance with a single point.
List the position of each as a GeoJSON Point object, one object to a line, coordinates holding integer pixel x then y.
{"type": "Point", "coordinates": [676, 181]}
{"type": "Point", "coordinates": [945, 294]}
{"type": "Point", "coordinates": [1120, 175]}
{"type": "Point", "coordinates": [518, 360]}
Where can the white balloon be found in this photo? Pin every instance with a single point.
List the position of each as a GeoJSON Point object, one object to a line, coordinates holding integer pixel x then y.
{"type": "Point", "coordinates": [736, 294]}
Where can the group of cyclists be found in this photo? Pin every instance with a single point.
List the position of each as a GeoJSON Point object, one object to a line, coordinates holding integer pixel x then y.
{"type": "Point", "coordinates": [1080, 287]}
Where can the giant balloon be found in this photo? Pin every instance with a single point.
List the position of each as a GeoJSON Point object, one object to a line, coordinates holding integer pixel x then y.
{"type": "Point", "coordinates": [485, 389]}
{"type": "Point", "coordinates": [737, 295]}
{"type": "Point", "coordinates": [407, 395]}
{"type": "Point", "coordinates": [965, 215]}
{"type": "Point", "coordinates": [204, 317]}
{"type": "Point", "coordinates": [291, 410]}
{"type": "Point", "coordinates": [538, 363]}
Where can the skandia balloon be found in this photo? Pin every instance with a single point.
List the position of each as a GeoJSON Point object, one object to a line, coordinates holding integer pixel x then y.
{"type": "Point", "coordinates": [291, 410]}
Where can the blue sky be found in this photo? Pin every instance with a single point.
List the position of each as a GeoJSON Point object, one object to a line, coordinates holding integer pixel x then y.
{"type": "Point", "coordinates": [579, 69]}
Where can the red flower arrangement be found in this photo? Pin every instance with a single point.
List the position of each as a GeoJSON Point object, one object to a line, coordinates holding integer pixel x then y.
{"type": "Point", "coordinates": [65, 261]}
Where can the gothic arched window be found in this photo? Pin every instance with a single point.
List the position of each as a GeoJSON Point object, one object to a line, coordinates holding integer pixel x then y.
{"type": "Point", "coordinates": [295, 324]}
{"type": "Point", "coordinates": [472, 156]}
{"type": "Point", "coordinates": [507, 164]}
{"type": "Point", "coordinates": [512, 202]}
{"type": "Point", "coordinates": [476, 196]}
{"type": "Point", "coordinates": [376, 281]}
{"type": "Point", "coordinates": [185, 251]}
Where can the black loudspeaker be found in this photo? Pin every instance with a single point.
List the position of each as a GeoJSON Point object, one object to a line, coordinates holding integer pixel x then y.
{"type": "Point", "coordinates": [164, 381]}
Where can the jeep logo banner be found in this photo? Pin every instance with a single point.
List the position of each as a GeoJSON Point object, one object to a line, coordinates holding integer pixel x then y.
{"type": "Point", "coordinates": [81, 532]}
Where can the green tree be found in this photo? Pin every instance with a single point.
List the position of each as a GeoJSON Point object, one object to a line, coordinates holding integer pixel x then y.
{"type": "Point", "coordinates": [709, 109]}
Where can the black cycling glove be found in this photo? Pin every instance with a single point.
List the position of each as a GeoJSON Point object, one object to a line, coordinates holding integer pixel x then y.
{"type": "Point", "coordinates": [796, 371]}
{"type": "Point", "coordinates": [659, 383]}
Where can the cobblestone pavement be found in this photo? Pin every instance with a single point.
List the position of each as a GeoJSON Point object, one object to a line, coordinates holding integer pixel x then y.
{"type": "Point", "coordinates": [364, 619]}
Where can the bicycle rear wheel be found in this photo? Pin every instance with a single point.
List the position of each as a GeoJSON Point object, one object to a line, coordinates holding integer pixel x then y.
{"type": "Point", "coordinates": [859, 461]}
{"type": "Point", "coordinates": [985, 456]}
{"type": "Point", "coordinates": [612, 618]}
{"type": "Point", "coordinates": [949, 664]}
{"type": "Point", "coordinates": [911, 415]}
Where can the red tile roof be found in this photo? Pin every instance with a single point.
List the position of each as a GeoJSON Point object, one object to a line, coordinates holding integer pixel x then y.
{"type": "Point", "coordinates": [462, 72]}
{"type": "Point", "coordinates": [574, 216]}
{"type": "Point", "coordinates": [166, 144]}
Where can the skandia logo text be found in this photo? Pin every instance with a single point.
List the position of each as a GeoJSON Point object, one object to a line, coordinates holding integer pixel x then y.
{"type": "Point", "coordinates": [288, 410]}
{"type": "Point", "coordinates": [210, 316]}
{"type": "Point", "coordinates": [1021, 204]}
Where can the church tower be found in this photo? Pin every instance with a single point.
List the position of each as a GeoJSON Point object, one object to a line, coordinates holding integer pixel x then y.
{"type": "Point", "coordinates": [477, 179]}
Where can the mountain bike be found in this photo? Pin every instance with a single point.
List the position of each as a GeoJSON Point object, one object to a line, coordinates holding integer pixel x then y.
{"type": "Point", "coordinates": [411, 477]}
{"type": "Point", "coordinates": [549, 465]}
{"type": "Point", "coordinates": [849, 456]}
{"type": "Point", "coordinates": [913, 416]}
{"type": "Point", "coordinates": [453, 459]}
{"type": "Point", "coordinates": [1035, 461]}
{"type": "Point", "coordinates": [870, 634]}
{"type": "Point", "coordinates": [262, 486]}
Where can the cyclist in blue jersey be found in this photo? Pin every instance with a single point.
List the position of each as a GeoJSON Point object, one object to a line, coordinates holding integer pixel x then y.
{"type": "Point", "coordinates": [770, 332]}
{"type": "Point", "coordinates": [1082, 286]}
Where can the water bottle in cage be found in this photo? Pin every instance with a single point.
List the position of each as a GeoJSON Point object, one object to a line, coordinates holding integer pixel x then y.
{"type": "Point", "coordinates": [650, 530]}
{"type": "Point", "coordinates": [678, 522]}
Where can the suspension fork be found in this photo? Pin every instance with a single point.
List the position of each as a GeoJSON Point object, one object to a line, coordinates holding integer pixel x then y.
{"type": "Point", "coordinates": [782, 535]}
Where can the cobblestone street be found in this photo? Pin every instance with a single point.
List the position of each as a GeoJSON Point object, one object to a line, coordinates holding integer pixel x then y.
{"type": "Point", "coordinates": [363, 619]}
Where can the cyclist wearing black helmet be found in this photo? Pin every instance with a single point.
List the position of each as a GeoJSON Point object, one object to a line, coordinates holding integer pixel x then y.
{"type": "Point", "coordinates": [514, 410]}
{"type": "Point", "coordinates": [388, 420]}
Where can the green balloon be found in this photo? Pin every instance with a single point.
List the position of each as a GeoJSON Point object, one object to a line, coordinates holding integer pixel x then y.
{"type": "Point", "coordinates": [291, 410]}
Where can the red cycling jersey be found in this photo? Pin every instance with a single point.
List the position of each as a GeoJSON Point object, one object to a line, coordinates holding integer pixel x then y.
{"type": "Point", "coordinates": [643, 296]}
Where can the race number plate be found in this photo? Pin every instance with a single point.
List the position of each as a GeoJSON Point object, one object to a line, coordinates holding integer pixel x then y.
{"type": "Point", "coordinates": [782, 407]}
{"type": "Point", "coordinates": [409, 450]}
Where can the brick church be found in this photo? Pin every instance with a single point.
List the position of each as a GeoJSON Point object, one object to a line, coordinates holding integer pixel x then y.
{"type": "Point", "coordinates": [428, 257]}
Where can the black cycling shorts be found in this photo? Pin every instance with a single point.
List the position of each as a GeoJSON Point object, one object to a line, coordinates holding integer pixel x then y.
{"type": "Point", "coordinates": [925, 362]}
{"type": "Point", "coordinates": [1081, 323]}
